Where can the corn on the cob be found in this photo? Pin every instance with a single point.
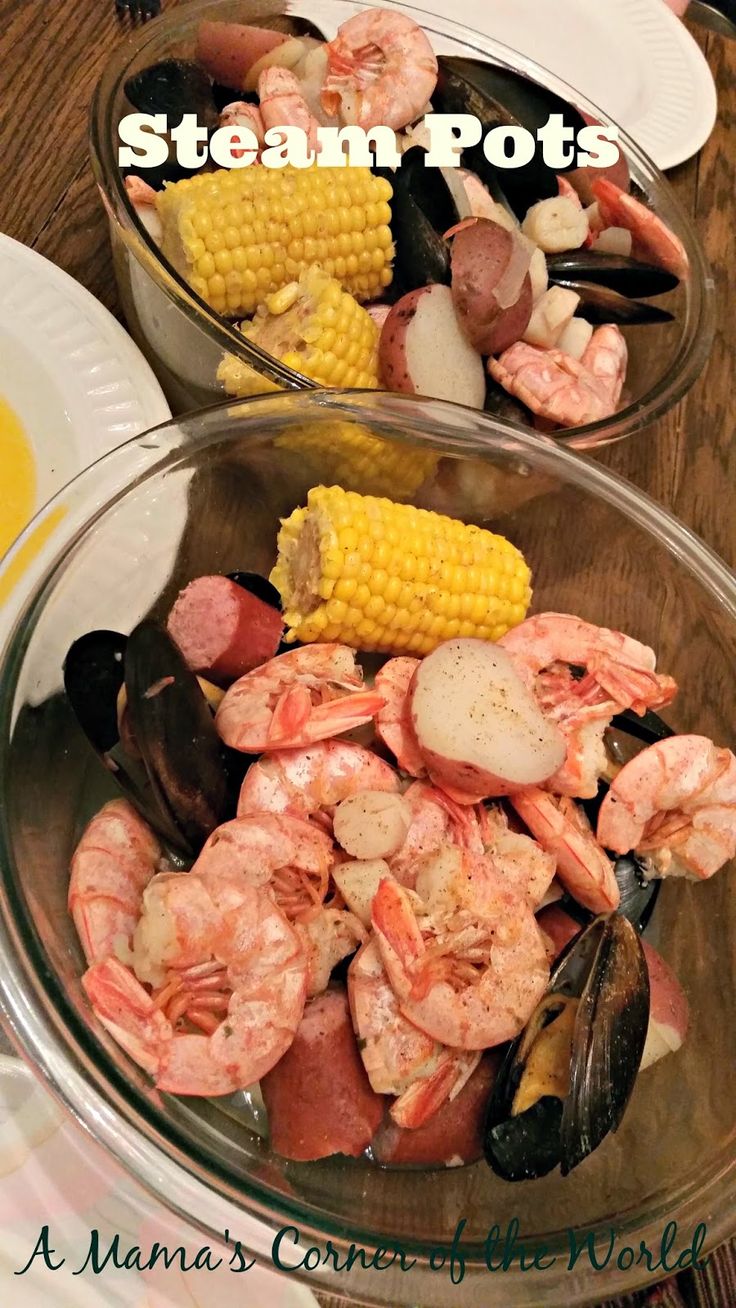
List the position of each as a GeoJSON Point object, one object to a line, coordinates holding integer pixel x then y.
{"type": "Point", "coordinates": [238, 235]}
{"type": "Point", "coordinates": [315, 327]}
{"type": "Point", "coordinates": [358, 460]}
{"type": "Point", "coordinates": [393, 578]}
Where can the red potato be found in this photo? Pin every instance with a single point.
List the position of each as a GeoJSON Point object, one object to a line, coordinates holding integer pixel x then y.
{"type": "Point", "coordinates": [223, 630]}
{"type": "Point", "coordinates": [582, 178]}
{"type": "Point", "coordinates": [477, 724]}
{"type": "Point", "coordinates": [491, 286]}
{"type": "Point", "coordinates": [454, 1135]}
{"type": "Point", "coordinates": [318, 1097]}
{"type": "Point", "coordinates": [228, 50]}
{"type": "Point", "coordinates": [669, 1012]}
{"type": "Point", "coordinates": [668, 1007]}
{"type": "Point", "coordinates": [422, 350]}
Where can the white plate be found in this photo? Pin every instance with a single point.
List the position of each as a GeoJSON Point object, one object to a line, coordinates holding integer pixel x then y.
{"type": "Point", "coordinates": [72, 375]}
{"type": "Point", "coordinates": [633, 58]}
{"type": "Point", "coordinates": [52, 1174]}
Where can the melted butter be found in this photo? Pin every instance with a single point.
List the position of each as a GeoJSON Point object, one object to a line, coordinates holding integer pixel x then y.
{"type": "Point", "coordinates": [17, 477]}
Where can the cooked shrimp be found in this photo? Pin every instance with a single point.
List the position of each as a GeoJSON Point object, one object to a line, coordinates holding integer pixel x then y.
{"type": "Point", "coordinates": [620, 674]}
{"type": "Point", "coordinates": [381, 70]}
{"type": "Point", "coordinates": [400, 1059]}
{"type": "Point", "coordinates": [282, 103]}
{"type": "Point", "coordinates": [297, 698]}
{"type": "Point", "coordinates": [676, 802]}
{"type": "Point", "coordinates": [246, 989]}
{"type": "Point", "coordinates": [312, 781]}
{"type": "Point", "coordinates": [562, 389]}
{"type": "Point", "coordinates": [393, 721]}
{"type": "Point", "coordinates": [582, 711]}
{"type": "Point", "coordinates": [524, 865]}
{"type": "Point", "coordinates": [114, 861]}
{"type": "Point", "coordinates": [328, 936]}
{"type": "Point", "coordinates": [652, 238]}
{"type": "Point", "coordinates": [562, 828]}
{"type": "Point", "coordinates": [436, 821]}
{"type": "Point", "coordinates": [469, 976]}
{"type": "Point", "coordinates": [605, 357]}
{"type": "Point", "coordinates": [242, 114]}
{"type": "Point", "coordinates": [290, 855]}
{"type": "Point", "coordinates": [218, 976]}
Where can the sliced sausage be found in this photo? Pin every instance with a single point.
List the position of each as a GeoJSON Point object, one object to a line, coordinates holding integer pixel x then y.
{"type": "Point", "coordinates": [223, 630]}
{"type": "Point", "coordinates": [318, 1097]}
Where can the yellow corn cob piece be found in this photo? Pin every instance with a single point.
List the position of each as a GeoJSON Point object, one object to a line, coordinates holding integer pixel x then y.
{"type": "Point", "coordinates": [314, 326]}
{"type": "Point", "coordinates": [239, 235]}
{"type": "Point", "coordinates": [393, 578]}
{"type": "Point", "coordinates": [359, 460]}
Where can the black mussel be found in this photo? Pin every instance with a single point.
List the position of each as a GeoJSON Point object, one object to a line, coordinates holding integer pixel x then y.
{"type": "Point", "coordinates": [638, 894]}
{"type": "Point", "coordinates": [623, 274]}
{"type": "Point", "coordinates": [174, 87]}
{"type": "Point", "coordinates": [566, 1080]}
{"type": "Point", "coordinates": [175, 734]}
{"type": "Point", "coordinates": [429, 189]}
{"type": "Point", "coordinates": [422, 256]}
{"type": "Point", "coordinates": [499, 97]}
{"type": "Point", "coordinates": [599, 304]}
{"type": "Point", "coordinates": [259, 586]}
{"type": "Point", "coordinates": [649, 726]}
{"type": "Point", "coordinates": [93, 678]}
{"type": "Point", "coordinates": [93, 681]}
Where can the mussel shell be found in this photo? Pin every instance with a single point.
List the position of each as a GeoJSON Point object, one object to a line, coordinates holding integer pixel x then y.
{"type": "Point", "coordinates": [259, 586]}
{"type": "Point", "coordinates": [610, 1034]}
{"type": "Point", "coordinates": [93, 675]}
{"type": "Point", "coordinates": [599, 304]}
{"type": "Point", "coordinates": [422, 256]}
{"type": "Point", "coordinates": [499, 97]}
{"type": "Point", "coordinates": [649, 726]}
{"type": "Point", "coordinates": [638, 892]}
{"type": "Point", "coordinates": [176, 736]}
{"type": "Point", "coordinates": [604, 969]}
{"type": "Point", "coordinates": [623, 274]}
{"type": "Point", "coordinates": [174, 87]}
{"type": "Point", "coordinates": [428, 188]}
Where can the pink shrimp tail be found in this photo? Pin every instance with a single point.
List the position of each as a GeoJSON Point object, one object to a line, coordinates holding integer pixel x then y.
{"type": "Point", "coordinates": [423, 1099]}
{"type": "Point", "coordinates": [634, 688]}
{"type": "Point", "coordinates": [127, 1011]}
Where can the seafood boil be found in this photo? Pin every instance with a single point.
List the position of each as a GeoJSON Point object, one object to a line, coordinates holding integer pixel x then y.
{"type": "Point", "coordinates": [376, 845]}
{"type": "Point", "coordinates": [515, 289]}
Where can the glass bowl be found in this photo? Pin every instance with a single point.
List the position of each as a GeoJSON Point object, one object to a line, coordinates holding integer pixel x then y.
{"type": "Point", "coordinates": [205, 494]}
{"type": "Point", "coordinates": [185, 341]}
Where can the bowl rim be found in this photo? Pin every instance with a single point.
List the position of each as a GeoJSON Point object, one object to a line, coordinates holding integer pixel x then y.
{"type": "Point", "coordinates": [66, 1052]}
{"type": "Point", "coordinates": [698, 328]}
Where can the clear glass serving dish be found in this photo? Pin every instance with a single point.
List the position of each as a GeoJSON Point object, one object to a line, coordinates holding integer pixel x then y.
{"type": "Point", "coordinates": [185, 341]}
{"type": "Point", "coordinates": [205, 494]}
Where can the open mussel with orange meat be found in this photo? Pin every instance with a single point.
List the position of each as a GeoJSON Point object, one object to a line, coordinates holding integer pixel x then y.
{"type": "Point", "coordinates": [567, 1079]}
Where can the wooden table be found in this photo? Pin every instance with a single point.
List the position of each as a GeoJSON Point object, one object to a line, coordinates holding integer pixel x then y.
{"type": "Point", "coordinates": [51, 55]}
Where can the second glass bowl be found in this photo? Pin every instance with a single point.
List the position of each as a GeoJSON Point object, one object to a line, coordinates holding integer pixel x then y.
{"type": "Point", "coordinates": [185, 340]}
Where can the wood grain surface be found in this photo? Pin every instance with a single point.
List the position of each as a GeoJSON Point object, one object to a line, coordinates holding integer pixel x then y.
{"type": "Point", "coordinates": [51, 54]}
